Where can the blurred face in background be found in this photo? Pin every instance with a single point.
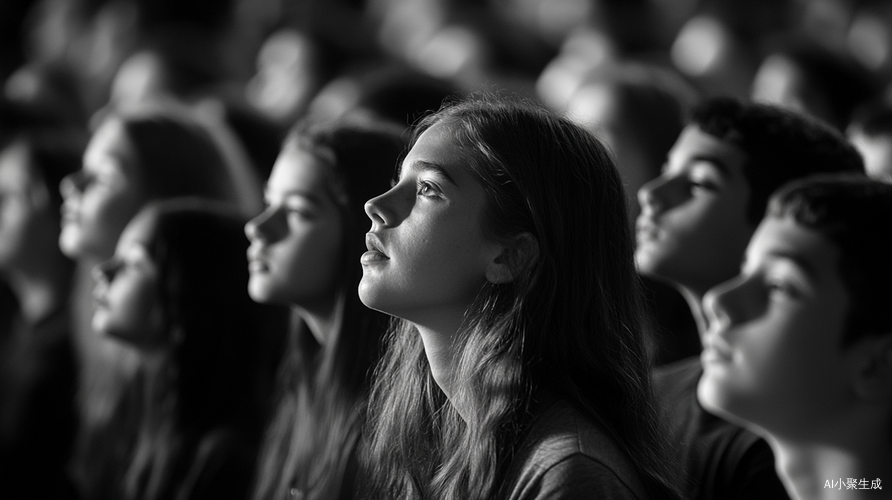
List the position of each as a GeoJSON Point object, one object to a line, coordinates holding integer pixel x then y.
{"type": "Point", "coordinates": [27, 224]}
{"type": "Point", "coordinates": [103, 196]}
{"type": "Point", "coordinates": [773, 352]}
{"type": "Point", "coordinates": [296, 253]}
{"type": "Point", "coordinates": [693, 227]}
{"type": "Point", "coordinates": [126, 293]}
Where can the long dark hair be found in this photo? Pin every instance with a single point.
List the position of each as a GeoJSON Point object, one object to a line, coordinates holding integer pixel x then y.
{"type": "Point", "coordinates": [324, 388]}
{"type": "Point", "coordinates": [571, 323]}
{"type": "Point", "coordinates": [217, 368]}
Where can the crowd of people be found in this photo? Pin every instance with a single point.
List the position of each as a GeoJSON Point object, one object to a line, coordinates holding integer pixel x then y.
{"type": "Point", "coordinates": [445, 249]}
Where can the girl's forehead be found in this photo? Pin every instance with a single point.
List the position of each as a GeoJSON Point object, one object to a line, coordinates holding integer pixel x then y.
{"type": "Point", "coordinates": [140, 230]}
{"type": "Point", "coordinates": [111, 144]}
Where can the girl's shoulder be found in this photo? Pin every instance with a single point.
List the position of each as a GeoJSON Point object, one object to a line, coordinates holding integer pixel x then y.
{"type": "Point", "coordinates": [567, 454]}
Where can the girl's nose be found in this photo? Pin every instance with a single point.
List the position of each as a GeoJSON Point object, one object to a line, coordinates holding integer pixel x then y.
{"type": "Point", "coordinates": [265, 227]}
{"type": "Point", "coordinates": [74, 183]}
{"type": "Point", "coordinates": [378, 210]}
{"type": "Point", "coordinates": [647, 195]}
{"type": "Point", "coordinates": [106, 270]}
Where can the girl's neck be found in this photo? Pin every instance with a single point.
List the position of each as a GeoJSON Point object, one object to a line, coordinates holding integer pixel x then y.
{"type": "Point", "coordinates": [694, 298]}
{"type": "Point", "coordinates": [438, 334]}
{"type": "Point", "coordinates": [323, 318]}
{"type": "Point", "coordinates": [821, 471]}
{"type": "Point", "coordinates": [440, 353]}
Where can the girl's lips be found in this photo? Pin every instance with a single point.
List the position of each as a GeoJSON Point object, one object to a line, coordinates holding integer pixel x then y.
{"type": "Point", "coordinates": [256, 259]}
{"type": "Point", "coordinates": [374, 245]}
{"type": "Point", "coordinates": [715, 351]}
{"type": "Point", "coordinates": [372, 257]}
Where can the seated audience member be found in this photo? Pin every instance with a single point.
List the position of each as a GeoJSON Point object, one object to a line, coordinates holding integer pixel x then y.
{"type": "Point", "coordinates": [696, 219]}
{"type": "Point", "coordinates": [638, 110]}
{"type": "Point", "coordinates": [136, 155]}
{"type": "Point", "coordinates": [304, 253]}
{"type": "Point", "coordinates": [175, 291]}
{"type": "Point", "coordinates": [38, 372]}
{"type": "Point", "coordinates": [871, 132]}
{"type": "Point", "coordinates": [799, 347]}
{"type": "Point", "coordinates": [517, 363]}
{"type": "Point", "coordinates": [812, 79]}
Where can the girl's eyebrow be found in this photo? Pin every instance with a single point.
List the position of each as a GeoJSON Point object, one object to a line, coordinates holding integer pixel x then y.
{"type": "Point", "coordinates": [426, 166]}
{"type": "Point", "coordinates": [309, 195]}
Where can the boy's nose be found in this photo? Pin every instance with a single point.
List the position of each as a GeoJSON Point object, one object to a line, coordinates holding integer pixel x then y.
{"type": "Point", "coordinates": [648, 196]}
{"type": "Point", "coordinates": [733, 302]}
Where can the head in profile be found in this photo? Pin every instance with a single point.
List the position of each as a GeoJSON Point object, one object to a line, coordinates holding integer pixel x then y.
{"type": "Point", "coordinates": [305, 251]}
{"type": "Point", "coordinates": [175, 291]}
{"type": "Point", "coordinates": [135, 156]}
{"type": "Point", "coordinates": [503, 251]}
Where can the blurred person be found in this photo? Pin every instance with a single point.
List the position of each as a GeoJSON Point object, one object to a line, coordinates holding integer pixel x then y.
{"type": "Point", "coordinates": [391, 92]}
{"type": "Point", "coordinates": [870, 130]}
{"type": "Point", "coordinates": [638, 110]}
{"type": "Point", "coordinates": [516, 364]}
{"type": "Point", "coordinates": [175, 292]}
{"type": "Point", "coordinates": [799, 347]}
{"type": "Point", "coordinates": [175, 65]}
{"type": "Point", "coordinates": [292, 67]}
{"type": "Point", "coordinates": [696, 220]}
{"type": "Point", "coordinates": [38, 368]}
{"type": "Point", "coordinates": [304, 253]}
{"type": "Point", "coordinates": [719, 47]}
{"type": "Point", "coordinates": [145, 153]}
{"type": "Point", "coordinates": [812, 79]}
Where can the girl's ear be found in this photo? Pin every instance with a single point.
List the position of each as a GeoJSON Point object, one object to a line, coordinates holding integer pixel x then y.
{"type": "Point", "coordinates": [516, 257]}
{"type": "Point", "coordinates": [873, 378]}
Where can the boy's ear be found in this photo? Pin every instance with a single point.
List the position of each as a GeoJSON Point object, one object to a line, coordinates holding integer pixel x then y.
{"type": "Point", "coordinates": [873, 379]}
{"type": "Point", "coordinates": [516, 256]}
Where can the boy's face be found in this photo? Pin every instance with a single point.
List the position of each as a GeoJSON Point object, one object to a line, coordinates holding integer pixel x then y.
{"type": "Point", "coordinates": [693, 227]}
{"type": "Point", "coordinates": [772, 356]}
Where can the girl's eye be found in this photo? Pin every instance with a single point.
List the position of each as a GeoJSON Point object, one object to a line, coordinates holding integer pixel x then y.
{"type": "Point", "coordinates": [704, 184]}
{"type": "Point", "coordinates": [427, 189]}
{"type": "Point", "coordinates": [781, 288]}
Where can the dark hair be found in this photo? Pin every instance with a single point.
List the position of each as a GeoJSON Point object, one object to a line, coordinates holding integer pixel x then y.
{"type": "Point", "coordinates": [835, 77]}
{"type": "Point", "coordinates": [873, 119]}
{"type": "Point", "coordinates": [53, 145]}
{"type": "Point", "coordinates": [324, 388]}
{"type": "Point", "coordinates": [176, 156]}
{"type": "Point", "coordinates": [570, 322]}
{"type": "Point", "coordinates": [218, 366]}
{"type": "Point", "coordinates": [780, 145]}
{"type": "Point", "coordinates": [855, 213]}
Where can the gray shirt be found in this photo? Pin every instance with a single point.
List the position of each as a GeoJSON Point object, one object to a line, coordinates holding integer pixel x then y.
{"type": "Point", "coordinates": [565, 455]}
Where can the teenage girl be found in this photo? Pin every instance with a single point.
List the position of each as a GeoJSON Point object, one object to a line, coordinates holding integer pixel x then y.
{"type": "Point", "coordinates": [175, 293]}
{"type": "Point", "coordinates": [517, 367]}
{"type": "Point", "coordinates": [305, 250]}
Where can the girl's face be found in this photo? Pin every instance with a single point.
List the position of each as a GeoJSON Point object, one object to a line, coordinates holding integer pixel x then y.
{"type": "Point", "coordinates": [23, 218]}
{"type": "Point", "coordinates": [428, 256]}
{"type": "Point", "coordinates": [126, 293]}
{"type": "Point", "coordinates": [103, 196]}
{"type": "Point", "coordinates": [296, 254]}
